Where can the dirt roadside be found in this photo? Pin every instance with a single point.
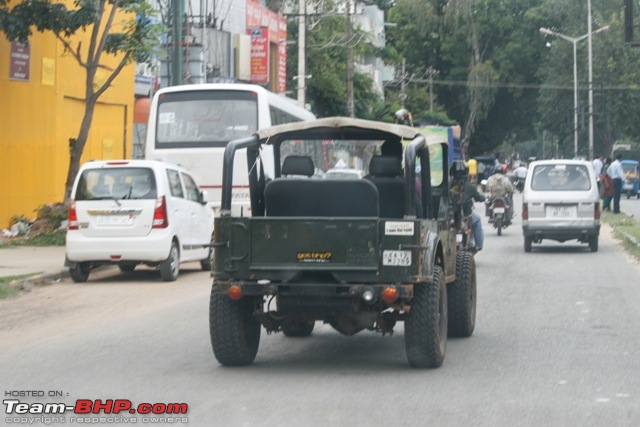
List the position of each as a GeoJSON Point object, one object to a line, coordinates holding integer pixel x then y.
{"type": "Point", "coordinates": [66, 308]}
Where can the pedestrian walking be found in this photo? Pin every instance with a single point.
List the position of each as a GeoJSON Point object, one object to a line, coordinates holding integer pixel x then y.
{"type": "Point", "coordinates": [606, 187]}
{"type": "Point", "coordinates": [597, 166]}
{"type": "Point", "coordinates": [616, 173]}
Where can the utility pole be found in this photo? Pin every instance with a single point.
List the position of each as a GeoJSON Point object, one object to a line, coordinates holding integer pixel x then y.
{"type": "Point", "coordinates": [177, 10]}
{"type": "Point", "coordinates": [350, 102]}
{"type": "Point", "coordinates": [302, 37]}
{"type": "Point", "coordinates": [403, 96]}
{"type": "Point", "coordinates": [431, 73]}
{"type": "Point", "coordinates": [590, 49]}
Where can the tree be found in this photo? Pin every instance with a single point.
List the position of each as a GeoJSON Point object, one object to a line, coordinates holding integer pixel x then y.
{"type": "Point", "coordinates": [132, 40]}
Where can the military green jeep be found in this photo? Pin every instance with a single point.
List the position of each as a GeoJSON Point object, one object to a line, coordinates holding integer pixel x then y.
{"type": "Point", "coordinates": [354, 253]}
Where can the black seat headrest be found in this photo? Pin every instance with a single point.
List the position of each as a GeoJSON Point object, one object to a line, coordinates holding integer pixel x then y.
{"type": "Point", "coordinates": [386, 166]}
{"type": "Point", "coordinates": [298, 165]}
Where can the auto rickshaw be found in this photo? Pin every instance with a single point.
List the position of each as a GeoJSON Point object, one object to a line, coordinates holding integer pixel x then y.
{"type": "Point", "coordinates": [632, 178]}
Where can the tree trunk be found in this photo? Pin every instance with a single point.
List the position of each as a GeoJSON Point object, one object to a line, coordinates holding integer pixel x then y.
{"type": "Point", "coordinates": [76, 147]}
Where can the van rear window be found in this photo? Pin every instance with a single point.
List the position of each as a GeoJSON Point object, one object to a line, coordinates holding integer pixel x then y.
{"type": "Point", "coordinates": [116, 183]}
{"type": "Point", "coordinates": [560, 177]}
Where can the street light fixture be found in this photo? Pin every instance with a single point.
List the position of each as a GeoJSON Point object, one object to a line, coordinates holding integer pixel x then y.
{"type": "Point", "coordinates": [574, 41]}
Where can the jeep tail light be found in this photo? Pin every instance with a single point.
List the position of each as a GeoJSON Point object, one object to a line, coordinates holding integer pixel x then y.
{"type": "Point", "coordinates": [234, 292]}
{"type": "Point", "coordinates": [525, 211]}
{"type": "Point", "coordinates": [160, 219]}
{"type": "Point", "coordinates": [73, 217]}
{"type": "Point", "coordinates": [596, 210]}
{"type": "Point", "coordinates": [390, 294]}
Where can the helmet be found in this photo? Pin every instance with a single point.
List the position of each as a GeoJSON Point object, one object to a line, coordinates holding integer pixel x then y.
{"type": "Point", "coordinates": [458, 170]}
{"type": "Point", "coordinates": [502, 168]}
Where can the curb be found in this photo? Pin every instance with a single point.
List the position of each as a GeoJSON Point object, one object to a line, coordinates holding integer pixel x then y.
{"type": "Point", "coordinates": [38, 280]}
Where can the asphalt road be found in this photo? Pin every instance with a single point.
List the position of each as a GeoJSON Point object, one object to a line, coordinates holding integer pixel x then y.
{"type": "Point", "coordinates": [556, 343]}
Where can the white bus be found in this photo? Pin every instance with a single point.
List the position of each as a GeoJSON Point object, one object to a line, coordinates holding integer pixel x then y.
{"type": "Point", "coordinates": [192, 124]}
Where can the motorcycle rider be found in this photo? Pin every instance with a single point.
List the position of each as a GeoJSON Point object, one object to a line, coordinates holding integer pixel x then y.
{"type": "Point", "coordinates": [464, 194]}
{"type": "Point", "coordinates": [499, 185]}
{"type": "Point", "coordinates": [521, 174]}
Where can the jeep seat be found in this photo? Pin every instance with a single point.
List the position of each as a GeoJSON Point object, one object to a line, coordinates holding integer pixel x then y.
{"type": "Point", "coordinates": [385, 172]}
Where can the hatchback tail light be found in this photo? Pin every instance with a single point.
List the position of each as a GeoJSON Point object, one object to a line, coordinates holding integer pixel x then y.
{"type": "Point", "coordinates": [160, 219]}
{"type": "Point", "coordinates": [73, 217]}
{"type": "Point", "coordinates": [525, 211]}
{"type": "Point", "coordinates": [596, 210]}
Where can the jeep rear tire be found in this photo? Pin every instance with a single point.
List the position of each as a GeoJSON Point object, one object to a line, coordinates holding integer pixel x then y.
{"type": "Point", "coordinates": [425, 329]}
{"type": "Point", "coordinates": [235, 333]}
{"type": "Point", "coordinates": [297, 327]}
{"type": "Point", "coordinates": [462, 297]}
{"type": "Point", "coordinates": [593, 243]}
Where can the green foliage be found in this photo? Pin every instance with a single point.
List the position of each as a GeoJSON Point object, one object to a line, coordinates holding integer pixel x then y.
{"type": "Point", "coordinates": [626, 229]}
{"type": "Point", "coordinates": [17, 21]}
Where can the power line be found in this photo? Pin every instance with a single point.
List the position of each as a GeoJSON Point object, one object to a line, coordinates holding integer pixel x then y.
{"type": "Point", "coordinates": [501, 85]}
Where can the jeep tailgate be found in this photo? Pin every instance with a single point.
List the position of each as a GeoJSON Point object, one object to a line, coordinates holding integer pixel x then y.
{"type": "Point", "coordinates": [278, 244]}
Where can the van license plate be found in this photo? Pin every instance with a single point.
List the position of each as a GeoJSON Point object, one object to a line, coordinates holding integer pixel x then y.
{"type": "Point", "coordinates": [108, 220]}
{"type": "Point", "coordinates": [396, 258]}
{"type": "Point", "coordinates": [561, 211]}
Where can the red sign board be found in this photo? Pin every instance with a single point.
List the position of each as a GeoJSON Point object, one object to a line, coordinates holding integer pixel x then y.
{"type": "Point", "coordinates": [19, 61]}
{"type": "Point", "coordinates": [259, 55]}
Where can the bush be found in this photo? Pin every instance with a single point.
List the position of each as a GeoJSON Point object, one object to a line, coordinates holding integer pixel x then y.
{"type": "Point", "coordinates": [53, 213]}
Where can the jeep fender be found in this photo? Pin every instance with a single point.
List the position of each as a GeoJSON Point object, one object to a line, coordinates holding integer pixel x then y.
{"type": "Point", "coordinates": [430, 256]}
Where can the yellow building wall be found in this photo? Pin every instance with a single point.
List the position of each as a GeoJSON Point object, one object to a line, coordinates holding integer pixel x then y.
{"type": "Point", "coordinates": [37, 118]}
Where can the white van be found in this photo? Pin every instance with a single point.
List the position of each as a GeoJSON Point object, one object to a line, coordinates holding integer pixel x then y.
{"type": "Point", "coordinates": [561, 202]}
{"type": "Point", "coordinates": [130, 212]}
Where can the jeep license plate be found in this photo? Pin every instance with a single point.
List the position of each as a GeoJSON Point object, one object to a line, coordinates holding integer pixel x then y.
{"type": "Point", "coordinates": [116, 220]}
{"type": "Point", "coordinates": [396, 258]}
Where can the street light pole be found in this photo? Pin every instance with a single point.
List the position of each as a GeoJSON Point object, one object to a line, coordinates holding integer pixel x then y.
{"type": "Point", "coordinates": [574, 41]}
{"type": "Point", "coordinates": [302, 39]}
{"type": "Point", "coordinates": [590, 81]}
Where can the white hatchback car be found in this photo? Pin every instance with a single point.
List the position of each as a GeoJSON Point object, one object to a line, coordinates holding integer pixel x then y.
{"type": "Point", "coordinates": [561, 202]}
{"type": "Point", "coordinates": [130, 212]}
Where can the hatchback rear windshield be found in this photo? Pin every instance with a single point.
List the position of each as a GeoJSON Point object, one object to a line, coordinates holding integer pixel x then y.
{"type": "Point", "coordinates": [560, 177]}
{"type": "Point", "coordinates": [116, 183]}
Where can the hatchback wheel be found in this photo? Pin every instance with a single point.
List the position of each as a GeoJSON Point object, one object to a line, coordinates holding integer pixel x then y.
{"type": "Point", "coordinates": [170, 268]}
{"type": "Point", "coordinates": [80, 272]}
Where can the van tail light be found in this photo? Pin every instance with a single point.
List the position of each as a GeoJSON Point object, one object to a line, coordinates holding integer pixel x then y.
{"type": "Point", "coordinates": [525, 211]}
{"type": "Point", "coordinates": [160, 219]}
{"type": "Point", "coordinates": [596, 210]}
{"type": "Point", "coordinates": [73, 217]}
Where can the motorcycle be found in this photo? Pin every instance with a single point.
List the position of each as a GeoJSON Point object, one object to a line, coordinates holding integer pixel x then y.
{"type": "Point", "coordinates": [499, 213]}
{"type": "Point", "coordinates": [464, 238]}
{"type": "Point", "coordinates": [519, 184]}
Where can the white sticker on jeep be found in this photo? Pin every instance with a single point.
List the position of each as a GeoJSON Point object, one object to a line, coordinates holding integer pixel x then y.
{"type": "Point", "coordinates": [398, 228]}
